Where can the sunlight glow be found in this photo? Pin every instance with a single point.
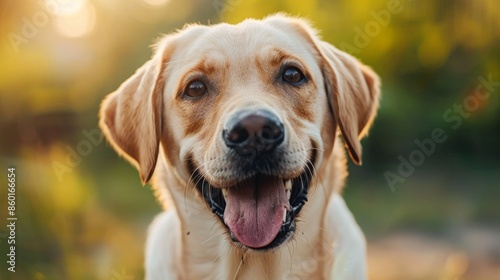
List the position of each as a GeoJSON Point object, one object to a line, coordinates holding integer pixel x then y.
{"type": "Point", "coordinates": [65, 7]}
{"type": "Point", "coordinates": [79, 22]}
{"type": "Point", "coordinates": [156, 2]}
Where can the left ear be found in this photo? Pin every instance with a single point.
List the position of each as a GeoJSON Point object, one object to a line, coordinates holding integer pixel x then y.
{"type": "Point", "coordinates": [353, 91]}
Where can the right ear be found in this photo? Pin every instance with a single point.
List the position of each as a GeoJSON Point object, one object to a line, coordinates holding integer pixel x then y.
{"type": "Point", "coordinates": [131, 116]}
{"type": "Point", "coordinates": [353, 89]}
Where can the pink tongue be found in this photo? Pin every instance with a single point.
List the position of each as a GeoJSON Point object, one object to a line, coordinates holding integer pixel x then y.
{"type": "Point", "coordinates": [254, 210]}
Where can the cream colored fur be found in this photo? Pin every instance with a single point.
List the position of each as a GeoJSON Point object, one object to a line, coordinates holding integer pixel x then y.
{"type": "Point", "coordinates": [152, 126]}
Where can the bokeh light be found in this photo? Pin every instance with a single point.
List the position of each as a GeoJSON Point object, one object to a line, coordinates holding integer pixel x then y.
{"type": "Point", "coordinates": [156, 2]}
{"type": "Point", "coordinates": [75, 19]}
{"type": "Point", "coordinates": [66, 7]}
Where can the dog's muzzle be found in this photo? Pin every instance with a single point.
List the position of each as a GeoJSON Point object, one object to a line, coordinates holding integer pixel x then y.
{"type": "Point", "coordinates": [259, 210]}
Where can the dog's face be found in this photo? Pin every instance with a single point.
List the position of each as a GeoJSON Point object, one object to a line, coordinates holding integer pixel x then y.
{"type": "Point", "coordinates": [246, 113]}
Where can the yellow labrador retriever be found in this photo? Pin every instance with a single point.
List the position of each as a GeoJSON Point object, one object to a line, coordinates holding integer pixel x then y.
{"type": "Point", "coordinates": [240, 126]}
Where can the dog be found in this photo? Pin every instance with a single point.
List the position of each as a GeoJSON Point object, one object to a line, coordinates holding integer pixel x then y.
{"type": "Point", "coordinates": [242, 129]}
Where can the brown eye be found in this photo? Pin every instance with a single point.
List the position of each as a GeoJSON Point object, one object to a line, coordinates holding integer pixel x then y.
{"type": "Point", "coordinates": [196, 89]}
{"type": "Point", "coordinates": [293, 76]}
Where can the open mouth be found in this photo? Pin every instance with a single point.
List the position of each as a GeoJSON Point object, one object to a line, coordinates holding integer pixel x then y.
{"type": "Point", "coordinates": [259, 211]}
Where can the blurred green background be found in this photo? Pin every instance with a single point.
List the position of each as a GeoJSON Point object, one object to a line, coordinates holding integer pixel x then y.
{"type": "Point", "coordinates": [82, 213]}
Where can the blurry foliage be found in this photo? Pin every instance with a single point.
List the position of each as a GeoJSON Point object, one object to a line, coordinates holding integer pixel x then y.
{"type": "Point", "coordinates": [91, 222]}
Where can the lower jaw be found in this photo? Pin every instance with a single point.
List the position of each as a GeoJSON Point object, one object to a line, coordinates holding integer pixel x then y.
{"type": "Point", "coordinates": [288, 228]}
{"type": "Point", "coordinates": [298, 198]}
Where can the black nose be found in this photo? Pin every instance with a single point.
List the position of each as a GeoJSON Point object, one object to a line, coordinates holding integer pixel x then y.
{"type": "Point", "coordinates": [253, 131]}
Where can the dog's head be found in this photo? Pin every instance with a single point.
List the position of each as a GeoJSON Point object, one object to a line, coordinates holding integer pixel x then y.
{"type": "Point", "coordinates": [246, 113]}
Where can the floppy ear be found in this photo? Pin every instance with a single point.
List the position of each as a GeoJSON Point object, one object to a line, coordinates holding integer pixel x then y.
{"type": "Point", "coordinates": [353, 91]}
{"type": "Point", "coordinates": [131, 116]}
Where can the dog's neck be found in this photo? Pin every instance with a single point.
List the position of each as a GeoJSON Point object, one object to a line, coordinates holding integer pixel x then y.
{"type": "Point", "coordinates": [203, 237]}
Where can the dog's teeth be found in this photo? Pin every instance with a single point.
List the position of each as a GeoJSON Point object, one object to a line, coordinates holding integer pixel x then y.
{"type": "Point", "coordinates": [288, 194]}
{"type": "Point", "coordinates": [288, 185]}
{"type": "Point", "coordinates": [284, 216]}
{"type": "Point", "coordinates": [224, 192]}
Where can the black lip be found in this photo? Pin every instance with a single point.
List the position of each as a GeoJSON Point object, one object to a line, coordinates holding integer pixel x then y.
{"type": "Point", "coordinates": [300, 187]}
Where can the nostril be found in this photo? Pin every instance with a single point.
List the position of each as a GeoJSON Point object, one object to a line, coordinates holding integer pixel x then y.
{"type": "Point", "coordinates": [237, 135]}
{"type": "Point", "coordinates": [271, 133]}
{"type": "Point", "coordinates": [267, 134]}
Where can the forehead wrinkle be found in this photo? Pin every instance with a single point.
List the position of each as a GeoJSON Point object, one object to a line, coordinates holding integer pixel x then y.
{"type": "Point", "coordinates": [192, 62]}
{"type": "Point", "coordinates": [207, 65]}
{"type": "Point", "coordinates": [276, 57]}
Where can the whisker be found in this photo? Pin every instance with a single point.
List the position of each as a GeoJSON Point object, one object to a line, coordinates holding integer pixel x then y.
{"type": "Point", "coordinates": [290, 253]}
{"type": "Point", "coordinates": [223, 251]}
{"type": "Point", "coordinates": [192, 179]}
{"type": "Point", "coordinates": [210, 238]}
{"type": "Point", "coordinates": [306, 241]}
{"type": "Point", "coordinates": [239, 266]}
{"type": "Point", "coordinates": [321, 228]}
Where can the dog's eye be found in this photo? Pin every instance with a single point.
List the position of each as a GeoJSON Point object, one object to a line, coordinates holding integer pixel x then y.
{"type": "Point", "coordinates": [196, 89]}
{"type": "Point", "coordinates": [293, 76]}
